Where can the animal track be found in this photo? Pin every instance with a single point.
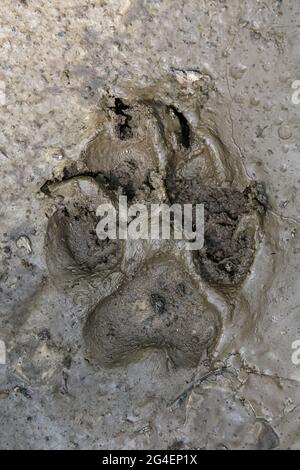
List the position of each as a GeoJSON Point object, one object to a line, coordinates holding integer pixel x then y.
{"type": "Point", "coordinates": [72, 246]}
{"type": "Point", "coordinates": [126, 155]}
{"type": "Point", "coordinates": [150, 153]}
{"type": "Point", "coordinates": [229, 244]}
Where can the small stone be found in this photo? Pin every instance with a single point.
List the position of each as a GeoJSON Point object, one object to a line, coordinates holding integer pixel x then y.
{"type": "Point", "coordinates": [254, 101]}
{"type": "Point", "coordinates": [24, 242]}
{"type": "Point", "coordinates": [284, 132]}
{"type": "Point", "coordinates": [187, 76]}
{"type": "Point", "coordinates": [237, 71]}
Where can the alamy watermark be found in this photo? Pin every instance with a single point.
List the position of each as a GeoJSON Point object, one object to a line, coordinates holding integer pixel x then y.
{"type": "Point", "coordinates": [152, 222]}
{"type": "Point", "coordinates": [2, 353]}
{"type": "Point", "coordinates": [2, 93]}
{"type": "Point", "coordinates": [296, 94]}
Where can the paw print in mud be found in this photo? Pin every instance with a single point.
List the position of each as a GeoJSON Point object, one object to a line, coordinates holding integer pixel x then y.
{"type": "Point", "coordinates": [152, 295]}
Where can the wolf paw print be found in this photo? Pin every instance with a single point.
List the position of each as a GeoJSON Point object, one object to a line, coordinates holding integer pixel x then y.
{"type": "Point", "coordinates": [150, 153]}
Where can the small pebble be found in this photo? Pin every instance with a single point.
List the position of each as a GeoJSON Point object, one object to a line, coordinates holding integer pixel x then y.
{"type": "Point", "coordinates": [254, 101]}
